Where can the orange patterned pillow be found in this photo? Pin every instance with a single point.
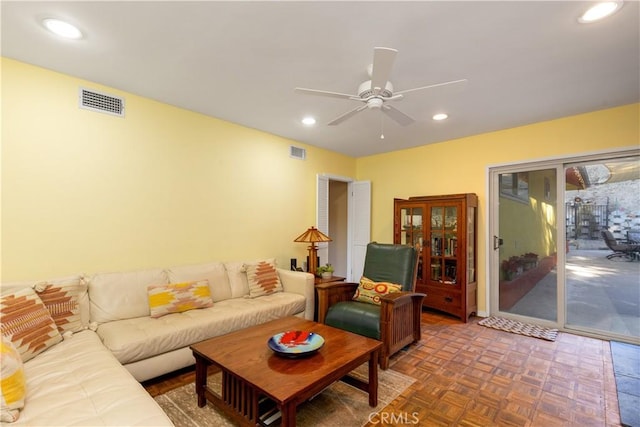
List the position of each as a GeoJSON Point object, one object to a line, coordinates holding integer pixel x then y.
{"type": "Point", "coordinates": [27, 323]}
{"type": "Point", "coordinates": [263, 279]}
{"type": "Point", "coordinates": [178, 297]}
{"type": "Point", "coordinates": [370, 292]}
{"type": "Point", "coordinates": [63, 302]}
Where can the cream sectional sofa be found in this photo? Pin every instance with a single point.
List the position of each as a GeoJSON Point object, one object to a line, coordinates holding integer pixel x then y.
{"type": "Point", "coordinates": [89, 378]}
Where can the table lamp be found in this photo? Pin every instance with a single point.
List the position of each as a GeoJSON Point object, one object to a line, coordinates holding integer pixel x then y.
{"type": "Point", "coordinates": [313, 236]}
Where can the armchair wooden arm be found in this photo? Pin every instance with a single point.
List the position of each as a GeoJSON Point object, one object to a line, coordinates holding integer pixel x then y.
{"type": "Point", "coordinates": [396, 310]}
{"type": "Point", "coordinates": [331, 293]}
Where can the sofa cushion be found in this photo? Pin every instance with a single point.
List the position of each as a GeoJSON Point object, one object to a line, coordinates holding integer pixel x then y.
{"type": "Point", "coordinates": [262, 279]}
{"type": "Point", "coordinates": [12, 379]}
{"type": "Point", "coordinates": [27, 323]}
{"type": "Point", "coordinates": [122, 295]}
{"type": "Point", "coordinates": [178, 297]}
{"type": "Point", "coordinates": [136, 339]}
{"type": "Point", "coordinates": [79, 383]}
{"type": "Point", "coordinates": [370, 292]}
{"type": "Point", "coordinates": [213, 272]}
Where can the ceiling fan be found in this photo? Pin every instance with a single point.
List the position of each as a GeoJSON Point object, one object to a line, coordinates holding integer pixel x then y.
{"type": "Point", "coordinates": [375, 93]}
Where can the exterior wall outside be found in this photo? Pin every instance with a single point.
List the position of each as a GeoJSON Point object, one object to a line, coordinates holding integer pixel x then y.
{"type": "Point", "coordinates": [623, 201]}
{"type": "Point", "coordinates": [530, 226]}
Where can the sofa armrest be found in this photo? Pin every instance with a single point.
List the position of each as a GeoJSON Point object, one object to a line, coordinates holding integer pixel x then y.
{"type": "Point", "coordinates": [301, 283]}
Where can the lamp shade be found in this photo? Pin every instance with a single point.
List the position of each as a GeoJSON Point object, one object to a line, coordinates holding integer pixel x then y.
{"type": "Point", "coordinates": [313, 235]}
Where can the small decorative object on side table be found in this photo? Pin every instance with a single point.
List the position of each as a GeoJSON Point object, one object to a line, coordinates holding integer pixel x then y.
{"type": "Point", "coordinates": [325, 271]}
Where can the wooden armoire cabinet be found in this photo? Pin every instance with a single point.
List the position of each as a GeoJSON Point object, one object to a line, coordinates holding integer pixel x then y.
{"type": "Point", "coordinates": [444, 230]}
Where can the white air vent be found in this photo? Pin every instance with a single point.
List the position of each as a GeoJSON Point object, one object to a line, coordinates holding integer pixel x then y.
{"type": "Point", "coordinates": [297, 152]}
{"type": "Point", "coordinates": [101, 102]}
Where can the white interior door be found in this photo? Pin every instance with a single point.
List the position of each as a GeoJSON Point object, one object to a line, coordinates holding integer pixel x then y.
{"type": "Point", "coordinates": [359, 227]}
{"type": "Point", "coordinates": [322, 216]}
{"type": "Point", "coordinates": [359, 222]}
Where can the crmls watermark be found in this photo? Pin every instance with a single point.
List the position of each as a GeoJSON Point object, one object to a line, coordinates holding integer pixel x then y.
{"type": "Point", "coordinates": [386, 418]}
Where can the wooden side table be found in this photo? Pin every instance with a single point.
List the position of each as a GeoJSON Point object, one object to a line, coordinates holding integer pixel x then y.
{"type": "Point", "coordinates": [319, 281]}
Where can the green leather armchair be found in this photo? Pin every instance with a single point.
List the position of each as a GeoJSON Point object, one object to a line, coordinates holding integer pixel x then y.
{"type": "Point", "coordinates": [396, 321]}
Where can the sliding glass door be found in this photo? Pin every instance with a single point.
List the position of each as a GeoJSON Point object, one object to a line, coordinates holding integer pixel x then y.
{"type": "Point", "coordinates": [602, 284]}
{"type": "Point", "coordinates": [549, 261]}
{"type": "Point", "coordinates": [526, 243]}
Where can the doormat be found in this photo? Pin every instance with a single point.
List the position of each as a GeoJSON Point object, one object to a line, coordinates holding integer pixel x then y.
{"type": "Point", "coordinates": [520, 328]}
{"type": "Point", "coordinates": [626, 369]}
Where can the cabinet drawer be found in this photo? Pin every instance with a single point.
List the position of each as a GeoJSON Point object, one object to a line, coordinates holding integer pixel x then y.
{"type": "Point", "coordinates": [449, 302]}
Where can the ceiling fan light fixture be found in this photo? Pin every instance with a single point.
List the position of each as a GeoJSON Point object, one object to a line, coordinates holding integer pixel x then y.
{"type": "Point", "coordinates": [375, 103]}
{"type": "Point", "coordinates": [600, 11]}
{"type": "Point", "coordinates": [308, 121]}
{"type": "Point", "coordinates": [440, 116]}
{"type": "Point", "coordinates": [62, 28]}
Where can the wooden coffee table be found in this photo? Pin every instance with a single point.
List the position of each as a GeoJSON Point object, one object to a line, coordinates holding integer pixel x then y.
{"type": "Point", "coordinates": [253, 376]}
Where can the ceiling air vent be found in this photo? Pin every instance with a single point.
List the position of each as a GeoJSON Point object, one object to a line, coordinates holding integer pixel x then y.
{"type": "Point", "coordinates": [297, 152]}
{"type": "Point", "coordinates": [101, 102]}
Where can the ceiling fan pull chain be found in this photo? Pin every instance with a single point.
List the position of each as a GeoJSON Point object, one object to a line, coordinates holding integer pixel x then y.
{"type": "Point", "coordinates": [381, 123]}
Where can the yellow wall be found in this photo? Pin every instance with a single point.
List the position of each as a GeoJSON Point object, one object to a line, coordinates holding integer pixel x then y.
{"type": "Point", "coordinates": [88, 192]}
{"type": "Point", "coordinates": [460, 166]}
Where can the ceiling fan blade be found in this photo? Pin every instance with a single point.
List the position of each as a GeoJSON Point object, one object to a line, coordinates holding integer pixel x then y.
{"type": "Point", "coordinates": [430, 86]}
{"type": "Point", "coordinates": [397, 115]}
{"type": "Point", "coordinates": [346, 115]}
{"type": "Point", "coordinates": [383, 59]}
{"type": "Point", "coordinates": [326, 93]}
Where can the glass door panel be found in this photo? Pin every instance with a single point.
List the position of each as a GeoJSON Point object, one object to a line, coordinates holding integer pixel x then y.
{"type": "Point", "coordinates": [411, 233]}
{"type": "Point", "coordinates": [471, 245]}
{"type": "Point", "coordinates": [444, 245]}
{"type": "Point", "coordinates": [528, 253]}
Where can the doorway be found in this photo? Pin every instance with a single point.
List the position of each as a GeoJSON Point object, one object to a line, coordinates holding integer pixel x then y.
{"type": "Point", "coordinates": [549, 264]}
{"type": "Point", "coordinates": [338, 226]}
{"type": "Point", "coordinates": [347, 250]}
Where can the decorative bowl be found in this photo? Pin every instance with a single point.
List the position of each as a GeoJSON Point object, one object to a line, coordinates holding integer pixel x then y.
{"type": "Point", "coordinates": [295, 343]}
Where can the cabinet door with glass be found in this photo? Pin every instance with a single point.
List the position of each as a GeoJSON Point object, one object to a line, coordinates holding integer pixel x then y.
{"type": "Point", "coordinates": [443, 254]}
{"type": "Point", "coordinates": [409, 230]}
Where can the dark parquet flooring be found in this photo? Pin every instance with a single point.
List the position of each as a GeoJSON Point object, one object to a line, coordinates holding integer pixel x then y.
{"type": "Point", "coordinates": [470, 375]}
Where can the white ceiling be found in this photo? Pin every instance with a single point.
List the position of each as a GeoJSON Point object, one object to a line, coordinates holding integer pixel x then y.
{"type": "Point", "coordinates": [525, 61]}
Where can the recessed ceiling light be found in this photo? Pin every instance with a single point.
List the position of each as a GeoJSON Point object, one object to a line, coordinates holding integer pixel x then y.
{"type": "Point", "coordinates": [599, 11]}
{"type": "Point", "coordinates": [309, 121]}
{"type": "Point", "coordinates": [62, 29]}
{"type": "Point", "coordinates": [440, 116]}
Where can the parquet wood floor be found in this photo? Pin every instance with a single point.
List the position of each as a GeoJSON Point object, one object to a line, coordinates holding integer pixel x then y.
{"type": "Point", "coordinates": [469, 375]}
